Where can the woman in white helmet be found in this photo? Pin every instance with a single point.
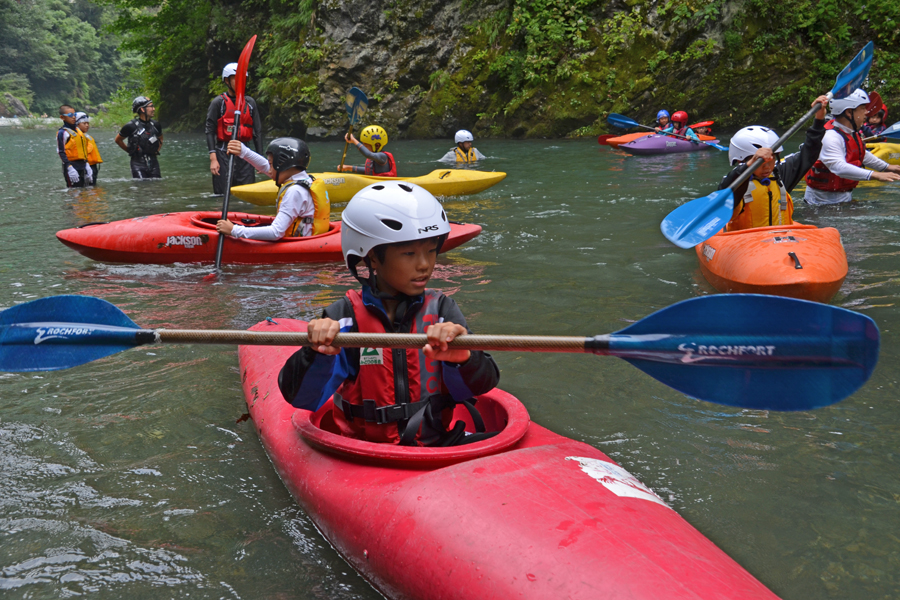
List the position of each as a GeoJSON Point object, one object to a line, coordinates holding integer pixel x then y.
{"type": "Point", "coordinates": [463, 152]}
{"type": "Point", "coordinates": [765, 198]}
{"type": "Point", "coordinates": [840, 166]}
{"type": "Point", "coordinates": [393, 396]}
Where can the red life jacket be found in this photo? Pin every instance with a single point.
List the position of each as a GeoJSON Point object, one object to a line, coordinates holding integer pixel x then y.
{"type": "Point", "coordinates": [820, 178]}
{"type": "Point", "coordinates": [226, 121]}
{"type": "Point", "coordinates": [393, 384]}
{"type": "Point", "coordinates": [392, 167]}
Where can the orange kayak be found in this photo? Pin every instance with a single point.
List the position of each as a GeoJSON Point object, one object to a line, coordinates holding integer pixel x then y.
{"type": "Point", "coordinates": [797, 261]}
{"type": "Point", "coordinates": [624, 139]}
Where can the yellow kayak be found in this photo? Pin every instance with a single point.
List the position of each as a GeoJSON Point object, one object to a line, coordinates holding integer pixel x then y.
{"type": "Point", "coordinates": [342, 186]}
{"type": "Point", "coordinates": [889, 153]}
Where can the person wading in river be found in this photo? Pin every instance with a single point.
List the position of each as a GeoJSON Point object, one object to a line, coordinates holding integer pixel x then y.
{"type": "Point", "coordinates": [71, 146]}
{"type": "Point", "coordinates": [219, 125]}
{"type": "Point", "coordinates": [144, 139]}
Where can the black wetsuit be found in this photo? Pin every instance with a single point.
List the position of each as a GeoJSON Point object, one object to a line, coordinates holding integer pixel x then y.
{"type": "Point", "coordinates": [144, 139]}
{"type": "Point", "coordinates": [244, 172]}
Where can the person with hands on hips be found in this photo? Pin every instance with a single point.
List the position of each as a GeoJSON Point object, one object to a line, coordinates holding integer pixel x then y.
{"type": "Point", "coordinates": [396, 396]}
{"type": "Point", "coordinates": [370, 144]}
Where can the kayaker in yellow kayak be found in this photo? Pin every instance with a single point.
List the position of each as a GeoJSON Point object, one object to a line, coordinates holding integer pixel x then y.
{"type": "Point", "coordinates": [765, 199]}
{"type": "Point", "coordinates": [302, 201]}
{"type": "Point", "coordinates": [398, 396]}
{"type": "Point", "coordinates": [370, 144]}
{"type": "Point", "coordinates": [464, 152]}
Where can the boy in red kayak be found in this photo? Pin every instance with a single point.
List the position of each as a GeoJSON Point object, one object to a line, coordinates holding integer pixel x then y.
{"type": "Point", "coordinates": [302, 202]}
{"type": "Point", "coordinates": [765, 198]}
{"type": "Point", "coordinates": [381, 395]}
{"type": "Point", "coordinates": [370, 144]}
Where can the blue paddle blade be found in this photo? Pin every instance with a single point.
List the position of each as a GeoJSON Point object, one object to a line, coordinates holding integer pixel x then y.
{"type": "Point", "coordinates": [621, 121]}
{"type": "Point", "coordinates": [891, 132]}
{"type": "Point", "coordinates": [356, 103]}
{"type": "Point", "coordinates": [752, 351]}
{"type": "Point", "coordinates": [854, 73]}
{"type": "Point", "coordinates": [60, 332]}
{"type": "Point", "coordinates": [698, 220]}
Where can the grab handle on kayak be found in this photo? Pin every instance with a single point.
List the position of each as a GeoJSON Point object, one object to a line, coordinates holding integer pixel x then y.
{"type": "Point", "coordinates": [92, 223]}
{"type": "Point", "coordinates": [797, 264]}
{"type": "Point", "coordinates": [444, 174]}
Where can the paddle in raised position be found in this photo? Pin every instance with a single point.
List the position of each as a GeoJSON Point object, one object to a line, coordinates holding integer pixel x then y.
{"type": "Point", "coordinates": [744, 350]}
{"type": "Point", "coordinates": [355, 103]}
{"type": "Point", "coordinates": [700, 219]}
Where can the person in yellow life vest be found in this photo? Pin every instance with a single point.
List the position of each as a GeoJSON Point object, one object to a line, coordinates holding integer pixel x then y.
{"type": "Point", "coordinates": [464, 152]}
{"type": "Point", "coordinates": [765, 198]}
{"type": "Point", "coordinates": [370, 144]}
{"type": "Point", "coordinates": [83, 123]}
{"type": "Point", "coordinates": [302, 202]}
{"type": "Point", "coordinates": [71, 146]}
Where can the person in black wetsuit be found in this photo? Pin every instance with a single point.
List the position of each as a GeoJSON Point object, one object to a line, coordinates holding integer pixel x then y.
{"type": "Point", "coordinates": [219, 124]}
{"type": "Point", "coordinates": [371, 141]}
{"type": "Point", "coordinates": [142, 139]}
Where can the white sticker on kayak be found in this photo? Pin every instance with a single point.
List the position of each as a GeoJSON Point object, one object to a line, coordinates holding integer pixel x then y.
{"type": "Point", "coordinates": [188, 241]}
{"type": "Point", "coordinates": [708, 251]}
{"type": "Point", "coordinates": [371, 356]}
{"type": "Point", "coordinates": [616, 479]}
{"type": "Point", "coordinates": [334, 181]}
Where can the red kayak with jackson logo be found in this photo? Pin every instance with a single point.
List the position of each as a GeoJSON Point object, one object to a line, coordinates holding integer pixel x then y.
{"type": "Point", "coordinates": [526, 514]}
{"type": "Point", "coordinates": [191, 237]}
{"type": "Point", "coordinates": [797, 261]}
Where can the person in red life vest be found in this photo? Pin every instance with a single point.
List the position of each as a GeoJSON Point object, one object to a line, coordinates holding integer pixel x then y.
{"type": "Point", "coordinates": [381, 395]}
{"type": "Point", "coordinates": [302, 202]}
{"type": "Point", "coordinates": [679, 127]}
{"type": "Point", "coordinates": [840, 166]}
{"type": "Point", "coordinates": [370, 144]}
{"type": "Point", "coordinates": [71, 145]}
{"type": "Point", "coordinates": [662, 120]}
{"type": "Point", "coordinates": [219, 125]}
{"type": "Point", "coordinates": [765, 198]}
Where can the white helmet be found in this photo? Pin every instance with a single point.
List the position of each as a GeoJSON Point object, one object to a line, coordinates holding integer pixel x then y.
{"type": "Point", "coordinates": [464, 135]}
{"type": "Point", "coordinates": [857, 98]}
{"type": "Point", "coordinates": [392, 212]}
{"type": "Point", "coordinates": [229, 70]}
{"type": "Point", "coordinates": [748, 140]}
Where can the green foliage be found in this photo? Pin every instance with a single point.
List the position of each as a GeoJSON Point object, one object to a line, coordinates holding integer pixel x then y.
{"type": "Point", "coordinates": [17, 85]}
{"type": "Point", "coordinates": [548, 32]}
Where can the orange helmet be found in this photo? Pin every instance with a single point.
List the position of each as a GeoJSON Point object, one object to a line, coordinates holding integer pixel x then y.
{"type": "Point", "coordinates": [680, 117]}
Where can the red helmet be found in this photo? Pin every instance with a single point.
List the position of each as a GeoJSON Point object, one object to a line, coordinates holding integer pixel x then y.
{"type": "Point", "coordinates": [680, 117]}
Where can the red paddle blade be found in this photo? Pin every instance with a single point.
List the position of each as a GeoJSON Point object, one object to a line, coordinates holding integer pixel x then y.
{"type": "Point", "coordinates": [874, 105]}
{"type": "Point", "coordinates": [601, 139]}
{"type": "Point", "coordinates": [240, 82]}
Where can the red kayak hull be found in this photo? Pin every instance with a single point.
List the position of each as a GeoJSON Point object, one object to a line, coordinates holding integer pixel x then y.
{"type": "Point", "coordinates": [191, 237]}
{"type": "Point", "coordinates": [527, 514]}
{"type": "Point", "coordinates": [759, 261]}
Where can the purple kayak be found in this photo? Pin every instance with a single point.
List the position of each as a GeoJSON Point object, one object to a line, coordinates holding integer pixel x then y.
{"type": "Point", "coordinates": [663, 144]}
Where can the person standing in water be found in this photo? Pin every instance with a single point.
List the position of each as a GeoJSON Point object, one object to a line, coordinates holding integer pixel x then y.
{"type": "Point", "coordinates": [83, 122]}
{"type": "Point", "coordinates": [144, 138]}
{"type": "Point", "coordinates": [464, 152]}
{"type": "Point", "coordinates": [71, 146]}
{"type": "Point", "coordinates": [220, 124]}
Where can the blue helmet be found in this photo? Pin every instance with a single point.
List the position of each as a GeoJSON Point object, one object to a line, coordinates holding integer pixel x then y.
{"type": "Point", "coordinates": [661, 114]}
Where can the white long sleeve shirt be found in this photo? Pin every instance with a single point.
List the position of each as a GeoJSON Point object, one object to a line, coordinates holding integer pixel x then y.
{"type": "Point", "coordinates": [834, 156]}
{"type": "Point", "coordinates": [296, 203]}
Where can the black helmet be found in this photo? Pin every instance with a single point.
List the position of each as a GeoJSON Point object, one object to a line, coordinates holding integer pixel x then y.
{"type": "Point", "coordinates": [288, 152]}
{"type": "Point", "coordinates": [139, 103]}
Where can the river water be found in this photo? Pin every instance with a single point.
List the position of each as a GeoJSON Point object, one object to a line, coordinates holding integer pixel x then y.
{"type": "Point", "coordinates": [134, 475]}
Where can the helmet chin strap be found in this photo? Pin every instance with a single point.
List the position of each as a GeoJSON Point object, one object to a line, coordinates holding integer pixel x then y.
{"type": "Point", "coordinates": [850, 119]}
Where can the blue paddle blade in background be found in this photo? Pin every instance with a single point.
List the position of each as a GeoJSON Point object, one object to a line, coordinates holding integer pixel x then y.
{"type": "Point", "coordinates": [60, 332]}
{"type": "Point", "coordinates": [356, 103]}
{"type": "Point", "coordinates": [714, 211]}
{"type": "Point", "coordinates": [621, 121]}
{"type": "Point", "coordinates": [758, 328]}
{"type": "Point", "coordinates": [891, 132]}
{"type": "Point", "coordinates": [854, 73]}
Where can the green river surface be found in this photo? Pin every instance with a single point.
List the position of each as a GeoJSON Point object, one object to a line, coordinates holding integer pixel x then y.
{"type": "Point", "coordinates": [135, 476]}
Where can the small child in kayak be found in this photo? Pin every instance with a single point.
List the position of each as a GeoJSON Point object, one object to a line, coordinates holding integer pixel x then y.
{"type": "Point", "coordinates": [875, 123]}
{"type": "Point", "coordinates": [679, 127]}
{"type": "Point", "coordinates": [83, 122]}
{"type": "Point", "coordinates": [464, 152]}
{"type": "Point", "coordinates": [398, 396]}
{"type": "Point", "coordinates": [302, 202]}
{"type": "Point", "coordinates": [370, 144]}
{"type": "Point", "coordinates": [839, 169]}
{"type": "Point", "coordinates": [662, 120]}
{"type": "Point", "coordinates": [765, 198]}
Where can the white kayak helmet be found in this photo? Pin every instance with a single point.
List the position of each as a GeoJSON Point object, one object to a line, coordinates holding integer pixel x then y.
{"type": "Point", "coordinates": [748, 140]}
{"type": "Point", "coordinates": [392, 212]}
{"type": "Point", "coordinates": [229, 70]}
{"type": "Point", "coordinates": [857, 98]}
{"type": "Point", "coordinates": [464, 135]}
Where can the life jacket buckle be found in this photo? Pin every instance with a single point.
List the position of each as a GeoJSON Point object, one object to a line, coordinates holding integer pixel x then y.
{"type": "Point", "coordinates": [370, 412]}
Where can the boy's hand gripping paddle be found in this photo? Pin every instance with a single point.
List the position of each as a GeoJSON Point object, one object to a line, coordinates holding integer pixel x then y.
{"type": "Point", "coordinates": [759, 352]}
{"type": "Point", "coordinates": [700, 219]}
{"type": "Point", "coordinates": [240, 83]}
{"type": "Point", "coordinates": [355, 103]}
